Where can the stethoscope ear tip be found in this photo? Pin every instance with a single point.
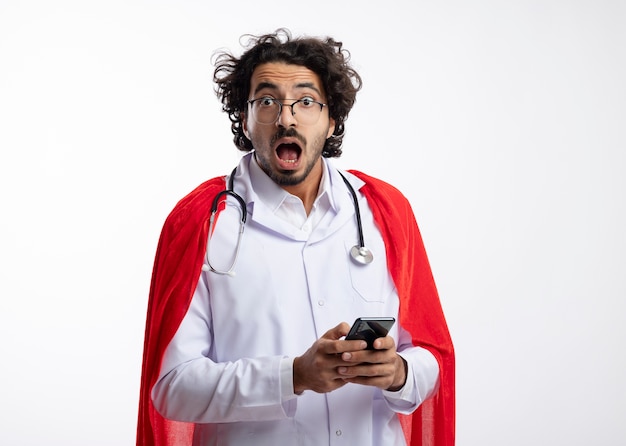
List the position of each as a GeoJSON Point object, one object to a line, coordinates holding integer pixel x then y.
{"type": "Point", "coordinates": [205, 267]}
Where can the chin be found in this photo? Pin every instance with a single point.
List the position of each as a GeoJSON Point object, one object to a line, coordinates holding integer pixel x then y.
{"type": "Point", "coordinates": [287, 178]}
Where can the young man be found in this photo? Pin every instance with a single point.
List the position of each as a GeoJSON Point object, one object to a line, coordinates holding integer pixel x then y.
{"type": "Point", "coordinates": [245, 336]}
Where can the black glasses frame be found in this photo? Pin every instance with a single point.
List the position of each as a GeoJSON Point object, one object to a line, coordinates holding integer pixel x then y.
{"type": "Point", "coordinates": [282, 104]}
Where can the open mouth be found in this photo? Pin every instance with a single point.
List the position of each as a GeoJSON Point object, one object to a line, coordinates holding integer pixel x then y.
{"type": "Point", "coordinates": [288, 154]}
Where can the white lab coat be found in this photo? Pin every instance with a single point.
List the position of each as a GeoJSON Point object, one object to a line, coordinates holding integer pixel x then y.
{"type": "Point", "coordinates": [229, 366]}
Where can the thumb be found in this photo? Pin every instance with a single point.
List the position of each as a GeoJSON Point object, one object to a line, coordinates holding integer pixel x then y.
{"type": "Point", "coordinates": [337, 332]}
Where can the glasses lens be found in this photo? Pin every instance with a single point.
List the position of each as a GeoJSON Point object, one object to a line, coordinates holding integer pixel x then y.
{"type": "Point", "coordinates": [265, 110]}
{"type": "Point", "coordinates": [306, 111]}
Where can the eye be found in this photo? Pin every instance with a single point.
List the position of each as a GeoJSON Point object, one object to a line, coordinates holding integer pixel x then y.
{"type": "Point", "coordinates": [307, 102]}
{"type": "Point", "coordinates": [266, 101]}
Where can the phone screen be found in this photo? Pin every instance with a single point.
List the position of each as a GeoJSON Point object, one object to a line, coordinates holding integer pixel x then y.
{"type": "Point", "coordinates": [370, 328]}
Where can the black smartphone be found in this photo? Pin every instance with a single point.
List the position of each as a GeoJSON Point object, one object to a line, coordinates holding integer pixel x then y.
{"type": "Point", "coordinates": [370, 328]}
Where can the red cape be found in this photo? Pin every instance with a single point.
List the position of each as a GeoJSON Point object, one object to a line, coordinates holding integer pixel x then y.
{"type": "Point", "coordinates": [183, 242]}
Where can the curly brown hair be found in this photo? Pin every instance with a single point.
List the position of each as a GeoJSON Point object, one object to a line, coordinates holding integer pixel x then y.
{"type": "Point", "coordinates": [325, 57]}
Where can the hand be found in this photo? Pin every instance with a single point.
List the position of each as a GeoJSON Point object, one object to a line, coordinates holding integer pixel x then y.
{"type": "Point", "coordinates": [317, 369]}
{"type": "Point", "coordinates": [381, 367]}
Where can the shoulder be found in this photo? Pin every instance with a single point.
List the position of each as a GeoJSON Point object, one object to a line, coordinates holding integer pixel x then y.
{"type": "Point", "coordinates": [204, 192]}
{"type": "Point", "coordinates": [379, 190]}
{"type": "Point", "coordinates": [196, 205]}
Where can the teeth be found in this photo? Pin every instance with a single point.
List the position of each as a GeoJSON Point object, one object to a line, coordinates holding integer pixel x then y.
{"type": "Point", "coordinates": [289, 161]}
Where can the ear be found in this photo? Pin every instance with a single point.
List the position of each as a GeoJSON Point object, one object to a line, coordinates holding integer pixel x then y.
{"type": "Point", "coordinates": [244, 125]}
{"type": "Point", "coordinates": [331, 128]}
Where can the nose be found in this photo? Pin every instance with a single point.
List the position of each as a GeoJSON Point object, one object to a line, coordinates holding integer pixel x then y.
{"type": "Point", "coordinates": [286, 118]}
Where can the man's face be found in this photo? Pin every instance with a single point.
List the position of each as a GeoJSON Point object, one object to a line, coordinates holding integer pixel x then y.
{"type": "Point", "coordinates": [287, 150]}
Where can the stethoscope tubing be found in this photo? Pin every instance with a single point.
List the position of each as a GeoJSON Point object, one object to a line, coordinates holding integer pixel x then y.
{"type": "Point", "coordinates": [359, 252]}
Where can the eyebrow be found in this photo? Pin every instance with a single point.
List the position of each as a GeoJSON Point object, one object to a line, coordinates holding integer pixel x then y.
{"type": "Point", "coordinates": [271, 86]}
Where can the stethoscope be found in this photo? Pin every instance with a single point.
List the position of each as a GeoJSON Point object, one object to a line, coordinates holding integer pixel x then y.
{"type": "Point", "coordinates": [359, 253]}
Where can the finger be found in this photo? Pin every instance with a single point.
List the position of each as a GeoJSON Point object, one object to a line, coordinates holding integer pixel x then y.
{"type": "Point", "coordinates": [330, 342]}
{"type": "Point", "coordinates": [364, 371]}
{"type": "Point", "coordinates": [337, 332]}
{"type": "Point", "coordinates": [386, 343]}
{"type": "Point", "coordinates": [337, 348]}
{"type": "Point", "coordinates": [354, 346]}
{"type": "Point", "coordinates": [370, 356]}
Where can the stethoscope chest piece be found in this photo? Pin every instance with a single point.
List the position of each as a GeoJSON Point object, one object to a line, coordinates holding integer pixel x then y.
{"type": "Point", "coordinates": [361, 255]}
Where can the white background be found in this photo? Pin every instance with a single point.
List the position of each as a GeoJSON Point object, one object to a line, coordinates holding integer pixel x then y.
{"type": "Point", "coordinates": [503, 122]}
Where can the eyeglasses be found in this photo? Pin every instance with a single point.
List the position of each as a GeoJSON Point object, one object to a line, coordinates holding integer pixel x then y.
{"type": "Point", "coordinates": [266, 110]}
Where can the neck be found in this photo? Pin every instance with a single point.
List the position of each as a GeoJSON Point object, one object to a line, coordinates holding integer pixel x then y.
{"type": "Point", "coordinates": [308, 189]}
